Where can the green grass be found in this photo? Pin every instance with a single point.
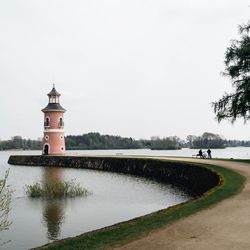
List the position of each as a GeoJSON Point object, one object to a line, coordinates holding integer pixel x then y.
{"type": "Point", "coordinates": [237, 160]}
{"type": "Point", "coordinates": [242, 160]}
{"type": "Point", "coordinates": [55, 189]}
{"type": "Point", "coordinates": [231, 184]}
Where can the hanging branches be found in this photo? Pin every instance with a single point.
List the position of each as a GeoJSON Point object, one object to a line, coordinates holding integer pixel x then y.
{"type": "Point", "coordinates": [237, 61]}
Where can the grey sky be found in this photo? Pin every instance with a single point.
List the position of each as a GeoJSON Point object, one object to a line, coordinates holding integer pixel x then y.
{"type": "Point", "coordinates": [135, 68]}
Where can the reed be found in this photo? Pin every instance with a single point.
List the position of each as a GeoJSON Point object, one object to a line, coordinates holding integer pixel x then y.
{"type": "Point", "coordinates": [56, 189]}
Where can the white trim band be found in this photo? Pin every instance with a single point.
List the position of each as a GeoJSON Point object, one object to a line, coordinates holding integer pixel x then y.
{"type": "Point", "coordinates": [53, 130]}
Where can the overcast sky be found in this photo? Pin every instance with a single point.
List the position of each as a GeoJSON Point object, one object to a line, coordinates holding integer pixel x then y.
{"type": "Point", "coordinates": [136, 68]}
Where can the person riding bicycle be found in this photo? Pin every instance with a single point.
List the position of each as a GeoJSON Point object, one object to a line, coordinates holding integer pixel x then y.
{"type": "Point", "coordinates": [200, 153]}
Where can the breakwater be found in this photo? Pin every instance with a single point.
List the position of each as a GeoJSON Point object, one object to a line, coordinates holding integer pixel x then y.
{"type": "Point", "coordinates": [195, 179]}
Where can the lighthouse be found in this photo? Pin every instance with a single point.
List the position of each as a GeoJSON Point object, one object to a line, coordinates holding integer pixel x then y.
{"type": "Point", "coordinates": [53, 139]}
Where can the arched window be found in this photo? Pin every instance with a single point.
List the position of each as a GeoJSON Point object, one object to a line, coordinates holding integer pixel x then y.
{"type": "Point", "coordinates": [61, 123]}
{"type": "Point", "coordinates": [47, 122]}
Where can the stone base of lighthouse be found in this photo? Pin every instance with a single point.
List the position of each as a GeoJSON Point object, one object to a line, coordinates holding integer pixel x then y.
{"type": "Point", "coordinates": [53, 143]}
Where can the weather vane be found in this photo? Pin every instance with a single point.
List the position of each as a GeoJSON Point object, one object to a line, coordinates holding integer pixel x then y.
{"type": "Point", "coordinates": [53, 82]}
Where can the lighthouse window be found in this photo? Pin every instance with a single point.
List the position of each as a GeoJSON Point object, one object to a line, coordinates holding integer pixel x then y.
{"type": "Point", "coordinates": [61, 123]}
{"type": "Point", "coordinates": [62, 148]}
{"type": "Point", "coordinates": [61, 137]}
{"type": "Point", "coordinates": [46, 137]}
{"type": "Point", "coordinates": [52, 99]}
{"type": "Point", "coordinates": [46, 123]}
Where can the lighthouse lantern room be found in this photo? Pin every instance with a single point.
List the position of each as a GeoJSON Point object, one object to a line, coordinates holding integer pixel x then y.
{"type": "Point", "coordinates": [53, 139]}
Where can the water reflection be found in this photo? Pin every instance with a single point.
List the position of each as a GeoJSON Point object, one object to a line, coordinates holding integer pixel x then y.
{"type": "Point", "coordinates": [53, 216]}
{"type": "Point", "coordinates": [53, 209]}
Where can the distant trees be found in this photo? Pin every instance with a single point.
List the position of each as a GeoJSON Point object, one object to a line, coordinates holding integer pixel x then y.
{"type": "Point", "coordinates": [237, 62]}
{"type": "Point", "coordinates": [237, 143]}
{"type": "Point", "coordinates": [206, 140]}
{"type": "Point", "coordinates": [97, 141]}
{"type": "Point", "coordinates": [17, 142]}
{"type": "Point", "coordinates": [167, 143]}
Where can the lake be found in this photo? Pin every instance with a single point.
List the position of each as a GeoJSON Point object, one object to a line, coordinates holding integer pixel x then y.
{"type": "Point", "coordinates": [230, 152]}
{"type": "Point", "coordinates": [114, 198]}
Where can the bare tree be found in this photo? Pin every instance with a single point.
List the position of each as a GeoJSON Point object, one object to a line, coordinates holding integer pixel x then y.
{"type": "Point", "coordinates": [5, 200]}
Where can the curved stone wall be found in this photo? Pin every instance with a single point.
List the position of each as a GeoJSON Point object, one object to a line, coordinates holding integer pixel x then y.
{"type": "Point", "coordinates": [195, 179]}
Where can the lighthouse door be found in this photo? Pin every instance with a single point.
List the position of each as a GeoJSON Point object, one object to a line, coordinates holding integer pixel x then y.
{"type": "Point", "coordinates": [46, 149]}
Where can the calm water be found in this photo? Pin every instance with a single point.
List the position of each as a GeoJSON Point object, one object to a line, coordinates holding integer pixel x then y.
{"type": "Point", "coordinates": [115, 198]}
{"type": "Point", "coordinates": [231, 152]}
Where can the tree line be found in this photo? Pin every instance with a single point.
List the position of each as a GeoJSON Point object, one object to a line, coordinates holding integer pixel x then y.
{"type": "Point", "coordinates": [98, 141]}
{"type": "Point", "coordinates": [18, 143]}
{"type": "Point", "coordinates": [207, 140]}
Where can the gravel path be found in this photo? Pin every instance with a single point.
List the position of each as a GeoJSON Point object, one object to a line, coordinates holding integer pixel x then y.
{"type": "Point", "coordinates": [223, 226]}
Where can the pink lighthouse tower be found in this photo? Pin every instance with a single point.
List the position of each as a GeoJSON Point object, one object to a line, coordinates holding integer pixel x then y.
{"type": "Point", "coordinates": [53, 140]}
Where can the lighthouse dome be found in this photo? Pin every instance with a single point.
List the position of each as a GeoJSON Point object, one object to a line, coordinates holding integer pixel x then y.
{"type": "Point", "coordinates": [53, 104]}
{"type": "Point", "coordinates": [53, 92]}
{"type": "Point", "coordinates": [54, 107]}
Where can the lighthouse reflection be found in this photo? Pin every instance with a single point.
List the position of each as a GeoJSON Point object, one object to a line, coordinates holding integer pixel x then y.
{"type": "Point", "coordinates": [53, 209]}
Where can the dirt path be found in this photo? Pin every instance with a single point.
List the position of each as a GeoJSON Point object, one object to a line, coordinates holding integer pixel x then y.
{"type": "Point", "coordinates": [224, 226]}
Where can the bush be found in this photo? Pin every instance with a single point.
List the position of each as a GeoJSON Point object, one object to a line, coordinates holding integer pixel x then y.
{"type": "Point", "coordinates": [5, 200]}
{"type": "Point", "coordinates": [56, 189]}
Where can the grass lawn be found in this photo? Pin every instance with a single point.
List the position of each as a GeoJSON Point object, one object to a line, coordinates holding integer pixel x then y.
{"type": "Point", "coordinates": [118, 234]}
{"type": "Point", "coordinates": [232, 159]}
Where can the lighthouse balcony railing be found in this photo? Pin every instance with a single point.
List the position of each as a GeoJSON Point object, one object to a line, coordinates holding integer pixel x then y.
{"type": "Point", "coordinates": [46, 125]}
